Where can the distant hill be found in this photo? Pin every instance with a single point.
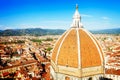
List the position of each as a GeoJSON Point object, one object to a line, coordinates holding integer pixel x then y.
{"type": "Point", "coordinates": [106, 31]}
{"type": "Point", "coordinates": [30, 31]}
{"type": "Point", "coordinates": [40, 32]}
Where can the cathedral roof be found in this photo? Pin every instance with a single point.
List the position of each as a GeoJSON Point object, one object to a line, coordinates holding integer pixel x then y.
{"type": "Point", "coordinates": [77, 48]}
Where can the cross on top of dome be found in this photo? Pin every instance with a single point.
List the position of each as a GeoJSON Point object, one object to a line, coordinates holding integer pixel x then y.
{"type": "Point", "coordinates": [76, 6]}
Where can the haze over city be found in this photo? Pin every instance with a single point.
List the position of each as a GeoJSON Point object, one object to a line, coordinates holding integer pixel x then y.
{"type": "Point", "coordinates": [56, 14]}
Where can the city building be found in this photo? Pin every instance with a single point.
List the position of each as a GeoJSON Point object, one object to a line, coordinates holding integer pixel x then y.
{"type": "Point", "coordinates": [77, 54]}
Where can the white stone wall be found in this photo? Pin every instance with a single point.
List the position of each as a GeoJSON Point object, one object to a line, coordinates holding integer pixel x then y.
{"type": "Point", "coordinates": [60, 76]}
{"type": "Point", "coordinates": [95, 77]}
{"type": "Point", "coordinates": [52, 72]}
{"type": "Point", "coordinates": [114, 77]}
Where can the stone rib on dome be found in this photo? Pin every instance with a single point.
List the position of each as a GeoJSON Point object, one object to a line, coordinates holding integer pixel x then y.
{"type": "Point", "coordinates": [90, 52]}
{"type": "Point", "coordinates": [68, 48]}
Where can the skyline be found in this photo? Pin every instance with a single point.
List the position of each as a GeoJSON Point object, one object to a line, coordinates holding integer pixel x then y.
{"type": "Point", "coordinates": [18, 14]}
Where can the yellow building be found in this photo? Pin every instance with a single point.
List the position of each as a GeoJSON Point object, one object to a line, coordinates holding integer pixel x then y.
{"type": "Point", "coordinates": [77, 54]}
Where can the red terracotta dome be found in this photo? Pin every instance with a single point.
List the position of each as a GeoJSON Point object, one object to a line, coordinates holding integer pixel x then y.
{"type": "Point", "coordinates": [77, 52]}
{"type": "Point", "coordinates": [77, 48]}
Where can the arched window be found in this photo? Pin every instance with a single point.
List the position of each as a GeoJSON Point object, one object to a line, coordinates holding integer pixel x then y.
{"type": "Point", "coordinates": [67, 78]}
{"type": "Point", "coordinates": [90, 78]}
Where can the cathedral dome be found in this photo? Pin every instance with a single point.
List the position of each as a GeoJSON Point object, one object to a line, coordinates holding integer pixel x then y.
{"type": "Point", "coordinates": [77, 52]}
{"type": "Point", "coordinates": [77, 48]}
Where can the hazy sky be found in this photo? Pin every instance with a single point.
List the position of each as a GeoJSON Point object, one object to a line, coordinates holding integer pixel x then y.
{"type": "Point", "coordinates": [57, 14]}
